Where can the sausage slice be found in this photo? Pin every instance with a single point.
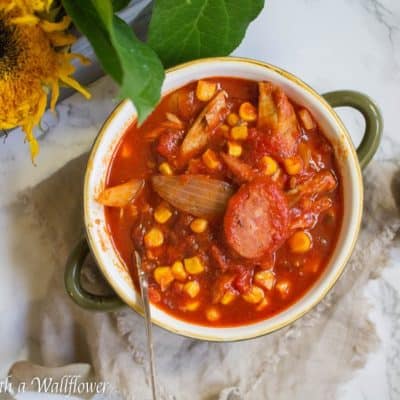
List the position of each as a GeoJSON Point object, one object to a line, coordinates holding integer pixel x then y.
{"type": "Point", "coordinates": [256, 219]}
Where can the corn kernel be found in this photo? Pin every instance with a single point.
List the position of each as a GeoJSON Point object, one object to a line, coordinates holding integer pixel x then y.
{"type": "Point", "coordinates": [213, 314]}
{"type": "Point", "coordinates": [264, 303]}
{"type": "Point", "coordinates": [306, 119]}
{"type": "Point", "coordinates": [199, 225]}
{"type": "Point", "coordinates": [190, 306]}
{"type": "Point", "coordinates": [247, 112]}
{"type": "Point", "coordinates": [265, 278]}
{"type": "Point", "coordinates": [228, 297]}
{"type": "Point", "coordinates": [179, 271]}
{"type": "Point", "coordinates": [232, 119]}
{"type": "Point", "coordinates": [293, 165]}
{"type": "Point", "coordinates": [239, 132]}
{"type": "Point", "coordinates": [163, 276]}
{"type": "Point", "coordinates": [300, 242]}
{"type": "Point", "coordinates": [165, 169]}
{"type": "Point", "coordinates": [271, 166]}
{"type": "Point", "coordinates": [234, 149]}
{"type": "Point", "coordinates": [153, 238]}
{"type": "Point", "coordinates": [283, 287]}
{"type": "Point", "coordinates": [205, 90]}
{"type": "Point", "coordinates": [194, 265]}
{"type": "Point", "coordinates": [162, 214]}
{"type": "Point", "coordinates": [254, 295]}
{"type": "Point", "coordinates": [192, 289]}
{"type": "Point", "coordinates": [210, 159]}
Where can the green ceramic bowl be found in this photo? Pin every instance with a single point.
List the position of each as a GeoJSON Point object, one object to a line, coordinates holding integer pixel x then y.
{"type": "Point", "coordinates": [350, 162]}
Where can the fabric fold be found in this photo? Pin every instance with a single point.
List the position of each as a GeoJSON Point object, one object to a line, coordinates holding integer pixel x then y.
{"type": "Point", "coordinates": [308, 359]}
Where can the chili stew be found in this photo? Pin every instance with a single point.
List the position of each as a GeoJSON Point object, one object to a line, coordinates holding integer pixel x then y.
{"type": "Point", "coordinates": [232, 194]}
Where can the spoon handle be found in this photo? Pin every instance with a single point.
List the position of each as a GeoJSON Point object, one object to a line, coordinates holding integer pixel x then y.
{"type": "Point", "coordinates": [144, 286]}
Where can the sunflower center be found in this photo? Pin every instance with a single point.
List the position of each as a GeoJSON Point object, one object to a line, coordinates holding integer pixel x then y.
{"type": "Point", "coordinates": [9, 49]}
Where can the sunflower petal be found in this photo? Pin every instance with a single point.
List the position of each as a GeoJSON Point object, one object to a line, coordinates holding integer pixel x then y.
{"type": "Point", "coordinates": [48, 5]}
{"type": "Point", "coordinates": [32, 75]}
{"type": "Point", "coordinates": [30, 138]}
{"type": "Point", "coordinates": [41, 108]}
{"type": "Point", "coordinates": [55, 92]}
{"type": "Point", "coordinates": [60, 39]}
{"type": "Point", "coordinates": [48, 26]}
{"type": "Point", "coordinates": [33, 147]}
{"type": "Point", "coordinates": [25, 20]}
{"type": "Point", "coordinates": [76, 85]}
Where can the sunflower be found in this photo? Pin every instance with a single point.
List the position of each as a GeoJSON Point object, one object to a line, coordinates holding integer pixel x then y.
{"type": "Point", "coordinates": [33, 63]}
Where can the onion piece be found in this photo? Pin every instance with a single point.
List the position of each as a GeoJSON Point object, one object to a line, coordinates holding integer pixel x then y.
{"type": "Point", "coordinates": [267, 110]}
{"type": "Point", "coordinates": [151, 136]}
{"type": "Point", "coordinates": [208, 120]}
{"type": "Point", "coordinates": [121, 195]}
{"type": "Point", "coordinates": [175, 120]}
{"type": "Point", "coordinates": [198, 195]}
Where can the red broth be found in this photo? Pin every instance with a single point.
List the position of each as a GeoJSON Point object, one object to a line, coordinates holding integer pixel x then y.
{"type": "Point", "coordinates": [290, 204]}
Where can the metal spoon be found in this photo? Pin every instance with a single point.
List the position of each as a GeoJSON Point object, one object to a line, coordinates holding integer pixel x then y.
{"type": "Point", "coordinates": [144, 286]}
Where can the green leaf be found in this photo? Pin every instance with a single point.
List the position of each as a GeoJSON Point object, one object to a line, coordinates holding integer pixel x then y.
{"type": "Point", "coordinates": [185, 30]}
{"type": "Point", "coordinates": [131, 63]}
{"type": "Point", "coordinates": [143, 71]}
{"type": "Point", "coordinates": [105, 11]}
{"type": "Point", "coordinates": [118, 5]}
{"type": "Point", "coordinates": [179, 31]}
{"type": "Point", "coordinates": [87, 20]}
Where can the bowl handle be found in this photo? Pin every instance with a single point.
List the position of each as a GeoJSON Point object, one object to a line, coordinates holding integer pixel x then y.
{"type": "Point", "coordinates": [373, 120]}
{"type": "Point", "coordinates": [74, 287]}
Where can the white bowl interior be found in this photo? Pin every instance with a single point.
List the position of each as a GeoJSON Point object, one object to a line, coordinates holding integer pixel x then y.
{"type": "Point", "coordinates": [113, 267]}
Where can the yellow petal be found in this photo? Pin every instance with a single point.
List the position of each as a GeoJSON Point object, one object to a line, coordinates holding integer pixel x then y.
{"type": "Point", "coordinates": [9, 7]}
{"type": "Point", "coordinates": [48, 26]}
{"type": "Point", "coordinates": [41, 108]}
{"type": "Point", "coordinates": [55, 91]}
{"type": "Point", "coordinates": [84, 60]}
{"type": "Point", "coordinates": [48, 5]}
{"type": "Point", "coordinates": [33, 143]}
{"type": "Point", "coordinates": [38, 5]}
{"type": "Point", "coordinates": [4, 125]}
{"type": "Point", "coordinates": [76, 85]}
{"type": "Point", "coordinates": [33, 148]}
{"type": "Point", "coordinates": [25, 20]}
{"type": "Point", "coordinates": [59, 39]}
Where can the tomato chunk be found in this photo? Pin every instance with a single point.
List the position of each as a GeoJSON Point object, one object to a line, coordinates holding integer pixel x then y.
{"type": "Point", "coordinates": [243, 278]}
{"type": "Point", "coordinates": [169, 142]}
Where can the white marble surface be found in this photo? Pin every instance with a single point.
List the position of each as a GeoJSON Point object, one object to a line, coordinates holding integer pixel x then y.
{"type": "Point", "coordinates": [342, 44]}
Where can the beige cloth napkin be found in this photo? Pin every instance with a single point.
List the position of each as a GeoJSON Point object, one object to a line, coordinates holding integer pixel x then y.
{"type": "Point", "coordinates": [307, 360]}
